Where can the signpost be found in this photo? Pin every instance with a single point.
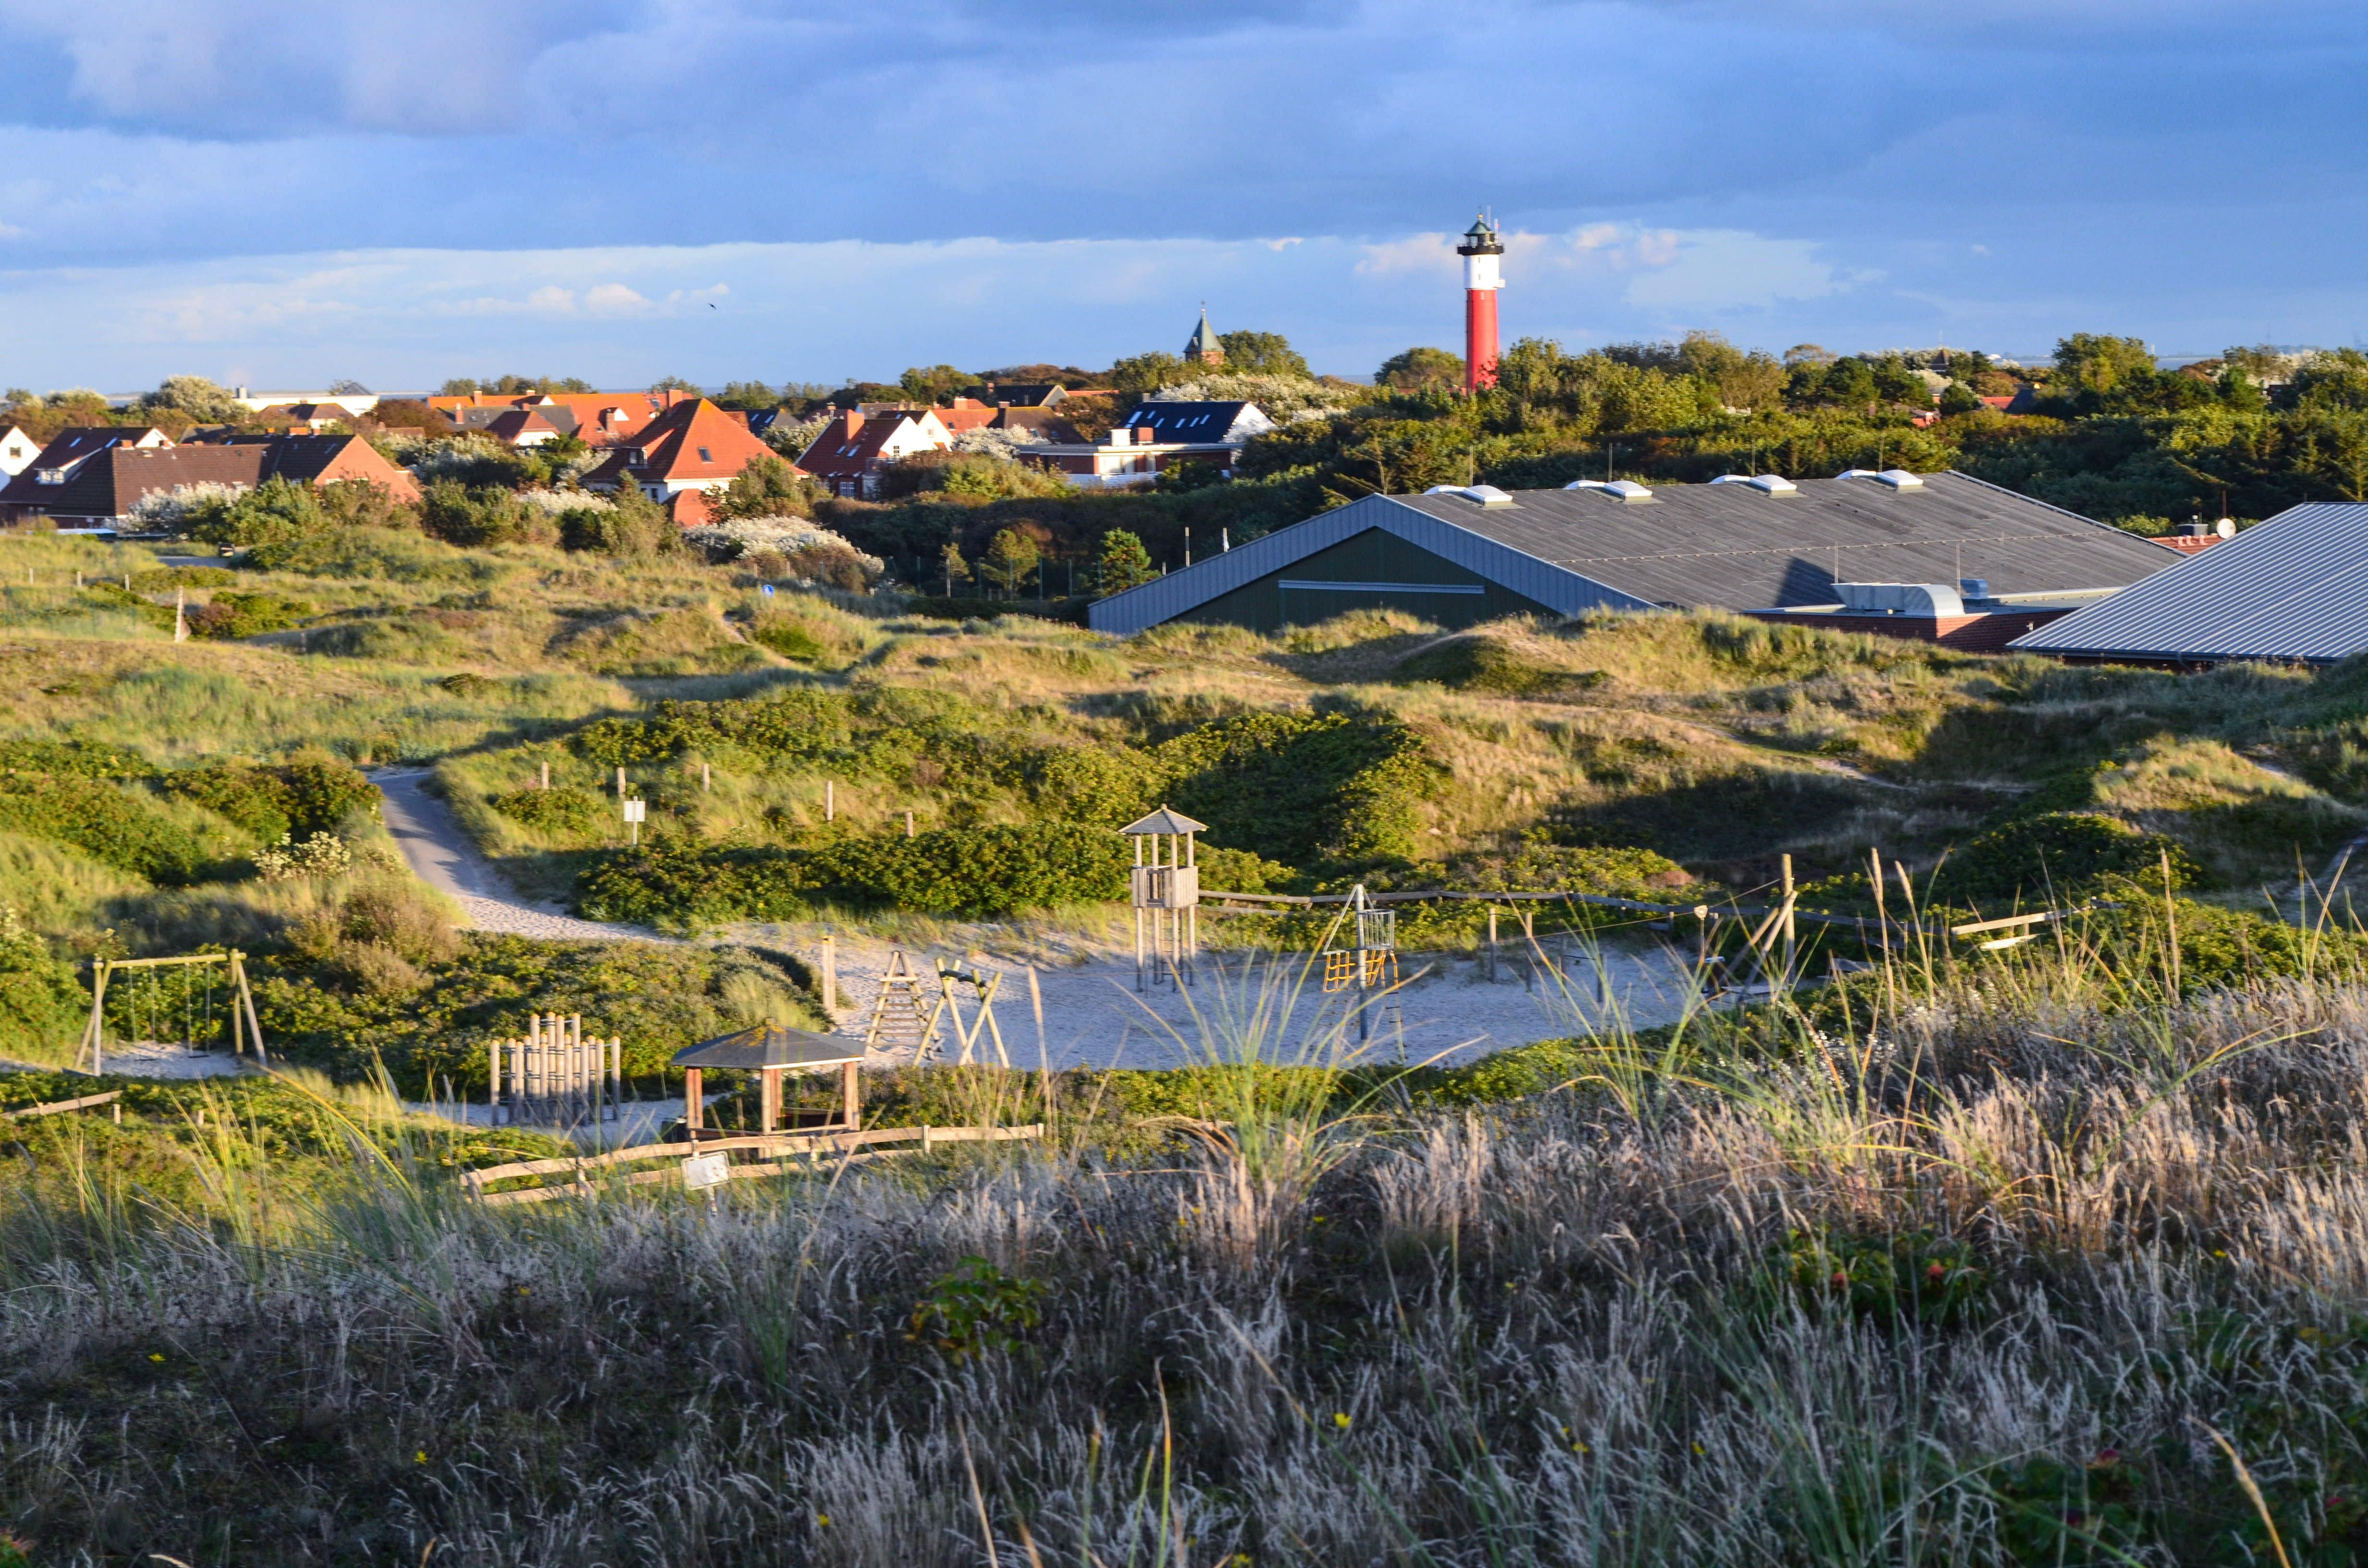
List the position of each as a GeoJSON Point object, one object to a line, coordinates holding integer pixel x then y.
{"type": "Point", "coordinates": [635, 813]}
{"type": "Point", "coordinates": [705, 1173]}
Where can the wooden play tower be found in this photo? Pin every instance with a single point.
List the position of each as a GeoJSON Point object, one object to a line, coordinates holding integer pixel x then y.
{"type": "Point", "coordinates": [1166, 892]}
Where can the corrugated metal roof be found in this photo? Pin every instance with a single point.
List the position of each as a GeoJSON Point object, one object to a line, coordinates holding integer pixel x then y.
{"type": "Point", "coordinates": [1164, 599]}
{"type": "Point", "coordinates": [1726, 546]}
{"type": "Point", "coordinates": [2294, 587]}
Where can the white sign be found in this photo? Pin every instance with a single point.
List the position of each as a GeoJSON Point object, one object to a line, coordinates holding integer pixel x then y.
{"type": "Point", "coordinates": [701, 1172]}
{"type": "Point", "coordinates": [634, 810]}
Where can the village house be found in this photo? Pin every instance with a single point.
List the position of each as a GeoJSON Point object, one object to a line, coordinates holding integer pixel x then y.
{"type": "Point", "coordinates": [92, 478]}
{"type": "Point", "coordinates": [1153, 436]}
{"type": "Point", "coordinates": [598, 419]}
{"type": "Point", "coordinates": [18, 450]}
{"type": "Point", "coordinates": [691, 446]}
{"type": "Point", "coordinates": [853, 449]}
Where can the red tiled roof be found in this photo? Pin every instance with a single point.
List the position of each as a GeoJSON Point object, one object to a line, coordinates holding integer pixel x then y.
{"type": "Point", "coordinates": [507, 428]}
{"type": "Point", "coordinates": [687, 443]}
{"type": "Point", "coordinates": [107, 482]}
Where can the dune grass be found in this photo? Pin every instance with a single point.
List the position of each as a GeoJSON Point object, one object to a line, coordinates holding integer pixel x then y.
{"type": "Point", "coordinates": [1971, 1277]}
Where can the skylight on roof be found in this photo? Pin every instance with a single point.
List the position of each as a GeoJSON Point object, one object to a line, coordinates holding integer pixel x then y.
{"type": "Point", "coordinates": [1773, 484]}
{"type": "Point", "coordinates": [1899, 479]}
{"type": "Point", "coordinates": [703, 456]}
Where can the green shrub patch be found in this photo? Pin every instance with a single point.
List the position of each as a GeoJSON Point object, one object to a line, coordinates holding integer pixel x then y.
{"type": "Point", "coordinates": [2060, 856]}
{"type": "Point", "coordinates": [107, 821]}
{"type": "Point", "coordinates": [231, 616]}
{"type": "Point", "coordinates": [297, 799]}
{"type": "Point", "coordinates": [79, 759]}
{"type": "Point", "coordinates": [973, 871]}
{"type": "Point", "coordinates": [565, 810]}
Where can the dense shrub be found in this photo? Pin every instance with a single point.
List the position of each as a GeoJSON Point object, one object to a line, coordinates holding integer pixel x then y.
{"type": "Point", "coordinates": [40, 1002]}
{"type": "Point", "coordinates": [974, 871]}
{"type": "Point", "coordinates": [371, 554]}
{"type": "Point", "coordinates": [80, 759]}
{"type": "Point", "coordinates": [565, 810]}
{"type": "Point", "coordinates": [2063, 854]}
{"type": "Point", "coordinates": [1539, 867]}
{"type": "Point", "coordinates": [230, 616]}
{"type": "Point", "coordinates": [298, 799]}
{"type": "Point", "coordinates": [631, 525]}
{"type": "Point", "coordinates": [275, 512]}
{"type": "Point", "coordinates": [455, 513]}
{"type": "Point", "coordinates": [1305, 788]}
{"type": "Point", "coordinates": [111, 825]}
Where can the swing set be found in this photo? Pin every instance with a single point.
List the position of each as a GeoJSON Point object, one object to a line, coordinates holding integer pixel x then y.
{"type": "Point", "coordinates": [149, 997]}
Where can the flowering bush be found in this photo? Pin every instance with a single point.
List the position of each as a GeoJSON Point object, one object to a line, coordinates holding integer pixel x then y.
{"type": "Point", "coordinates": [794, 539]}
{"type": "Point", "coordinates": [167, 511]}
{"type": "Point", "coordinates": [1280, 398]}
{"type": "Point", "coordinates": [323, 855]}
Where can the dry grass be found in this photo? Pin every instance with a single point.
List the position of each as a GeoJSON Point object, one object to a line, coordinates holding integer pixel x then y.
{"type": "Point", "coordinates": [1589, 1327]}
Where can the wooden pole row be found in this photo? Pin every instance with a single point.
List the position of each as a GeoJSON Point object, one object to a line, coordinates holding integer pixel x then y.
{"type": "Point", "coordinates": [554, 1072]}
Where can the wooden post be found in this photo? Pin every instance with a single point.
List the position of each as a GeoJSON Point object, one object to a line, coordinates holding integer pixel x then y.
{"type": "Point", "coordinates": [830, 800]}
{"type": "Point", "coordinates": [246, 998]}
{"type": "Point", "coordinates": [908, 822]}
{"type": "Point", "coordinates": [706, 778]}
{"type": "Point", "coordinates": [546, 775]}
{"type": "Point", "coordinates": [1530, 941]}
{"type": "Point", "coordinates": [768, 1099]}
{"type": "Point", "coordinates": [1786, 921]}
{"type": "Point", "coordinates": [694, 1108]}
{"type": "Point", "coordinates": [493, 1082]}
{"type": "Point", "coordinates": [96, 1032]}
{"type": "Point", "coordinates": [1492, 942]}
{"type": "Point", "coordinates": [830, 979]}
{"type": "Point", "coordinates": [850, 1094]}
{"type": "Point", "coordinates": [621, 782]}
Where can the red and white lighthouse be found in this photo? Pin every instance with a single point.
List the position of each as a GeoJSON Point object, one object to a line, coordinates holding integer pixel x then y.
{"type": "Point", "coordinates": [1480, 249]}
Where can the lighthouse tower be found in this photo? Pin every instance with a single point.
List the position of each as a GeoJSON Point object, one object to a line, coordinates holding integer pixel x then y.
{"type": "Point", "coordinates": [1480, 249]}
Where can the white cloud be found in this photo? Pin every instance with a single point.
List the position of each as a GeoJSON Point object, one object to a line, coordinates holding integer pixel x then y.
{"type": "Point", "coordinates": [614, 300]}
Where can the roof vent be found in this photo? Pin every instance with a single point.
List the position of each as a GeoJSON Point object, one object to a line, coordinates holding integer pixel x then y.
{"type": "Point", "coordinates": [1487, 494]}
{"type": "Point", "coordinates": [1773, 484]}
{"type": "Point", "coordinates": [1732, 479]}
{"type": "Point", "coordinates": [1928, 599]}
{"type": "Point", "coordinates": [1617, 489]}
{"type": "Point", "coordinates": [1856, 473]}
{"type": "Point", "coordinates": [1899, 479]}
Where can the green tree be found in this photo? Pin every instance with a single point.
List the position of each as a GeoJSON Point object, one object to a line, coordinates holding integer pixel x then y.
{"type": "Point", "coordinates": [1010, 556]}
{"type": "Point", "coordinates": [1122, 562]}
{"type": "Point", "coordinates": [935, 383]}
{"type": "Point", "coordinates": [752, 397]}
{"type": "Point", "coordinates": [1420, 368]}
{"type": "Point", "coordinates": [2098, 365]}
{"type": "Point", "coordinates": [673, 383]}
{"type": "Point", "coordinates": [206, 401]}
{"type": "Point", "coordinates": [767, 487]}
{"type": "Point", "coordinates": [951, 567]}
{"type": "Point", "coordinates": [458, 386]}
{"type": "Point", "coordinates": [1261, 353]}
{"type": "Point", "coordinates": [1148, 372]}
{"type": "Point", "coordinates": [1744, 380]}
{"type": "Point", "coordinates": [1959, 398]}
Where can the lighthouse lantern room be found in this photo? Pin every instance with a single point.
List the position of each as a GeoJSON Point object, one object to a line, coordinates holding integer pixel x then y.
{"type": "Point", "coordinates": [1481, 247]}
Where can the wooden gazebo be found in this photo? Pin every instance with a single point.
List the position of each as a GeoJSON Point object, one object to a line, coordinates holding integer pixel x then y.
{"type": "Point", "coordinates": [771, 1050]}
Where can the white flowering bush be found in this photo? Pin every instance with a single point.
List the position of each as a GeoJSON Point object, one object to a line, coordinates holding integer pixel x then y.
{"type": "Point", "coordinates": [452, 456]}
{"type": "Point", "coordinates": [169, 510]}
{"type": "Point", "coordinates": [1280, 398]}
{"type": "Point", "coordinates": [323, 855]}
{"type": "Point", "coordinates": [791, 441]}
{"type": "Point", "coordinates": [553, 503]}
{"type": "Point", "coordinates": [740, 537]}
{"type": "Point", "coordinates": [1003, 444]}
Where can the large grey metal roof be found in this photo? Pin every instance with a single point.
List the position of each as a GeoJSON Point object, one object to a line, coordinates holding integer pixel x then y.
{"type": "Point", "coordinates": [1724, 546]}
{"type": "Point", "coordinates": [2294, 587]}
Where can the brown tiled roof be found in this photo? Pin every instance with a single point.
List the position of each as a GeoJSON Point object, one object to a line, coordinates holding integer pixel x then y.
{"type": "Point", "coordinates": [108, 481]}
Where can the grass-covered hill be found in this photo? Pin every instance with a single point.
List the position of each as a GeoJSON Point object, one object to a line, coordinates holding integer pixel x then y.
{"type": "Point", "coordinates": [151, 784]}
{"type": "Point", "coordinates": [1966, 1258]}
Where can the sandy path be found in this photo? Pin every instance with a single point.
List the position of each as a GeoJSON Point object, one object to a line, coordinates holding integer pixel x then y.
{"type": "Point", "coordinates": [442, 856]}
{"type": "Point", "coordinates": [1094, 1013]}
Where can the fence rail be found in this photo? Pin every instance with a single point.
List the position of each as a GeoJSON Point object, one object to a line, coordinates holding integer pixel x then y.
{"type": "Point", "coordinates": [55, 1106]}
{"type": "Point", "coordinates": [868, 1145]}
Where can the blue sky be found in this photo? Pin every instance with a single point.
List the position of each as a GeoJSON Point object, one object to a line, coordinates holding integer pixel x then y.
{"type": "Point", "coordinates": [622, 190]}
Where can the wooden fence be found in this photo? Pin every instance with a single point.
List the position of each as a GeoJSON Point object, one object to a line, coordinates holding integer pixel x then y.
{"type": "Point", "coordinates": [784, 1152]}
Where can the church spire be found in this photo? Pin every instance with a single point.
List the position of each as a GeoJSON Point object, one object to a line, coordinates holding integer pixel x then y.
{"type": "Point", "coordinates": [1203, 347]}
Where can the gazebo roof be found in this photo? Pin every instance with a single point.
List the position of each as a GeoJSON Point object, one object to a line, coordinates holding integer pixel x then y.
{"type": "Point", "coordinates": [770, 1045]}
{"type": "Point", "coordinates": [1165, 820]}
